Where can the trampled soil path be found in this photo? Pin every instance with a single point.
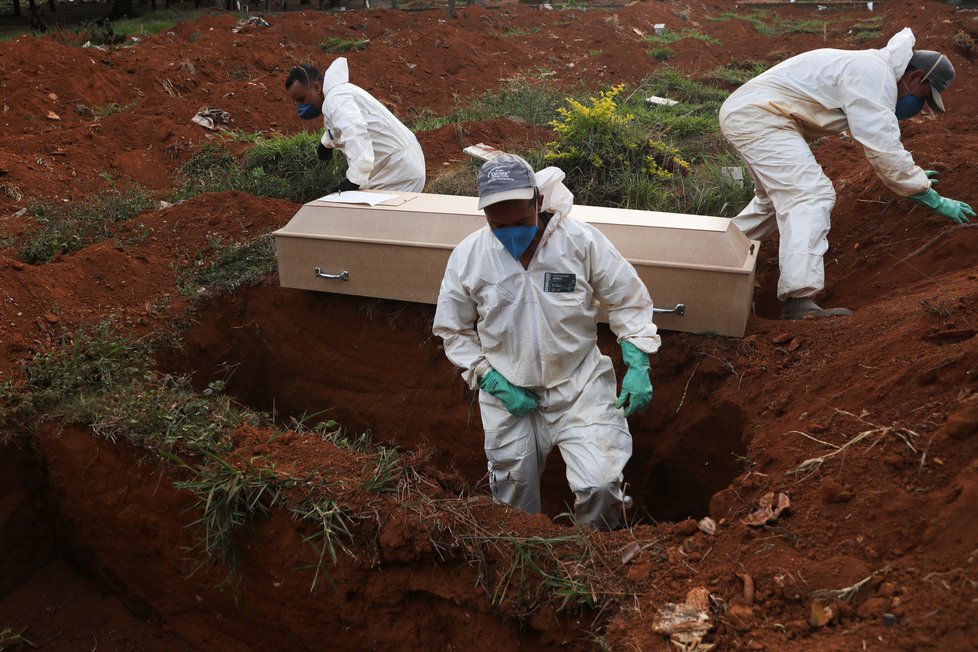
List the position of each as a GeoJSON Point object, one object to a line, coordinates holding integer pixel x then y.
{"type": "Point", "coordinates": [897, 507]}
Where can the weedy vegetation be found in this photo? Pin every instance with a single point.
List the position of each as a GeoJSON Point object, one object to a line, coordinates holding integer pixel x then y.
{"type": "Point", "coordinates": [334, 44]}
{"type": "Point", "coordinates": [284, 167]}
{"type": "Point", "coordinates": [67, 227]}
{"type": "Point", "coordinates": [232, 265]}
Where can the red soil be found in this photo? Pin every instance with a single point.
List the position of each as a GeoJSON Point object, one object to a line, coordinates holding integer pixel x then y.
{"type": "Point", "coordinates": [907, 361]}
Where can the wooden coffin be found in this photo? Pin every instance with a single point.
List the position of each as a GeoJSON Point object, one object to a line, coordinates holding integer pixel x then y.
{"type": "Point", "coordinates": [399, 249]}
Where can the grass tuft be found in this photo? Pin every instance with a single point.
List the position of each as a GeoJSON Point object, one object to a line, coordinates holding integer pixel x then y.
{"type": "Point", "coordinates": [69, 227]}
{"type": "Point", "coordinates": [284, 167]}
{"type": "Point", "coordinates": [333, 44]}
{"type": "Point", "coordinates": [233, 265]}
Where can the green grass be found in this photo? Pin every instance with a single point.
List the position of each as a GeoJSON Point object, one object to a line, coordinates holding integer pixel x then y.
{"type": "Point", "coordinates": [517, 31]}
{"type": "Point", "coordinates": [660, 54]}
{"type": "Point", "coordinates": [66, 228]}
{"type": "Point", "coordinates": [334, 44]}
{"type": "Point", "coordinates": [737, 73]}
{"type": "Point", "coordinates": [152, 23]}
{"type": "Point", "coordinates": [112, 107]}
{"type": "Point", "coordinates": [772, 25]}
{"type": "Point", "coordinates": [868, 29]}
{"type": "Point", "coordinates": [283, 167]}
{"type": "Point", "coordinates": [99, 377]}
{"type": "Point", "coordinates": [532, 102]}
{"type": "Point", "coordinates": [232, 265]}
{"type": "Point", "coordinates": [671, 37]}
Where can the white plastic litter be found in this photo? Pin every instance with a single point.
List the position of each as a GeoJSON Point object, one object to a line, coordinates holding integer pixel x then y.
{"type": "Point", "coordinates": [664, 101]}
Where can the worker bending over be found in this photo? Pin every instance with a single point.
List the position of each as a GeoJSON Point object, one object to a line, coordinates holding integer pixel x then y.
{"type": "Point", "coordinates": [769, 120]}
{"type": "Point", "coordinates": [381, 153]}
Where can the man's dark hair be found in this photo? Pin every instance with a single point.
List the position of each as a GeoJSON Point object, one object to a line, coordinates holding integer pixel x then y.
{"type": "Point", "coordinates": [305, 74]}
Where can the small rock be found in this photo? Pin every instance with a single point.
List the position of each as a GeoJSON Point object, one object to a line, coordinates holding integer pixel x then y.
{"type": "Point", "coordinates": [821, 614]}
{"type": "Point", "coordinates": [51, 317]}
{"type": "Point", "coordinates": [686, 528]}
{"type": "Point", "coordinates": [872, 608]}
{"type": "Point", "coordinates": [889, 620]}
{"type": "Point", "coordinates": [639, 572]}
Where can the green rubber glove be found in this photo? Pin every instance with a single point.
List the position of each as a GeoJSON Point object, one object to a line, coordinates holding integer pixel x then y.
{"type": "Point", "coordinates": [636, 387]}
{"type": "Point", "coordinates": [932, 175]}
{"type": "Point", "coordinates": [957, 211]}
{"type": "Point", "coordinates": [517, 400]}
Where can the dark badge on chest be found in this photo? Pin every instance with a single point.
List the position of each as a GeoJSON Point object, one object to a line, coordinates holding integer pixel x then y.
{"type": "Point", "coordinates": [553, 282]}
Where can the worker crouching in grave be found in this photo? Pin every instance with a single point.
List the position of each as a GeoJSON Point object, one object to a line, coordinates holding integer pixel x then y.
{"type": "Point", "coordinates": [769, 119]}
{"type": "Point", "coordinates": [381, 153]}
{"type": "Point", "coordinates": [518, 314]}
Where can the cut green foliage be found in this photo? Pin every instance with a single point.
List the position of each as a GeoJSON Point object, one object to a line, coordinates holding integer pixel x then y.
{"type": "Point", "coordinates": [68, 227]}
{"type": "Point", "coordinates": [672, 37]}
{"type": "Point", "coordinates": [285, 167]}
{"type": "Point", "coordinates": [333, 44]}
{"type": "Point", "coordinates": [232, 265]}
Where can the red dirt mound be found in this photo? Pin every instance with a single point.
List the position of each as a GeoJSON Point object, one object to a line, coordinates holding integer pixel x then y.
{"type": "Point", "coordinates": [867, 424]}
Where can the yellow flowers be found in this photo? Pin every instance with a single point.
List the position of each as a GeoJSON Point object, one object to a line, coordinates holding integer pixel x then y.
{"type": "Point", "coordinates": [603, 110]}
{"type": "Point", "coordinates": [607, 155]}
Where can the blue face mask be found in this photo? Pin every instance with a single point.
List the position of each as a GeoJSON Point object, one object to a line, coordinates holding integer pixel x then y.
{"type": "Point", "coordinates": [515, 239]}
{"type": "Point", "coordinates": [908, 106]}
{"type": "Point", "coordinates": [309, 111]}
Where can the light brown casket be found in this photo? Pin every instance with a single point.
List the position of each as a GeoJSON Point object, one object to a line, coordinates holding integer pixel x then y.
{"type": "Point", "coordinates": [399, 249]}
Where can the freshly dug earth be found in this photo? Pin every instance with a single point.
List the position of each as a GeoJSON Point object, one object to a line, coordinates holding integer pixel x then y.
{"type": "Point", "coordinates": [92, 552]}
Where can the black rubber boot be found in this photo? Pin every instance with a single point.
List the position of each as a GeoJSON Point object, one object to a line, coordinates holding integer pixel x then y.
{"type": "Point", "coordinates": [808, 309]}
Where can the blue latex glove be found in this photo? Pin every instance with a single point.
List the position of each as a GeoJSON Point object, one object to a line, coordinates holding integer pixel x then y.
{"type": "Point", "coordinates": [932, 175]}
{"type": "Point", "coordinates": [636, 387]}
{"type": "Point", "coordinates": [957, 211]}
{"type": "Point", "coordinates": [517, 400]}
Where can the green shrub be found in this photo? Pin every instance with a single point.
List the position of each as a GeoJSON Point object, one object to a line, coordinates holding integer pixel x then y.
{"type": "Point", "coordinates": [609, 160]}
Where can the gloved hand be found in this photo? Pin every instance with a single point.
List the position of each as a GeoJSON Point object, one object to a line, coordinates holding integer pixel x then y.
{"type": "Point", "coordinates": [932, 175]}
{"type": "Point", "coordinates": [346, 185]}
{"type": "Point", "coordinates": [636, 387]}
{"type": "Point", "coordinates": [324, 153]}
{"type": "Point", "coordinates": [957, 211]}
{"type": "Point", "coordinates": [518, 401]}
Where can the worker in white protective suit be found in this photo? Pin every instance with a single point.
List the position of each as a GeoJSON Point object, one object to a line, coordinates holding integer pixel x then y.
{"type": "Point", "coordinates": [769, 120]}
{"type": "Point", "coordinates": [381, 153]}
{"type": "Point", "coordinates": [518, 312]}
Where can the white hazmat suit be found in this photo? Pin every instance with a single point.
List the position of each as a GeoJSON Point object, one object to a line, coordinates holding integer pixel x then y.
{"type": "Point", "coordinates": [538, 328]}
{"type": "Point", "coordinates": [381, 153]}
{"type": "Point", "coordinates": [769, 120]}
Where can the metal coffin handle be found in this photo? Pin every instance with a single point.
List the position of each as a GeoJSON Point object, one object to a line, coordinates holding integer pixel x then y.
{"type": "Point", "coordinates": [679, 310]}
{"type": "Point", "coordinates": [342, 276]}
